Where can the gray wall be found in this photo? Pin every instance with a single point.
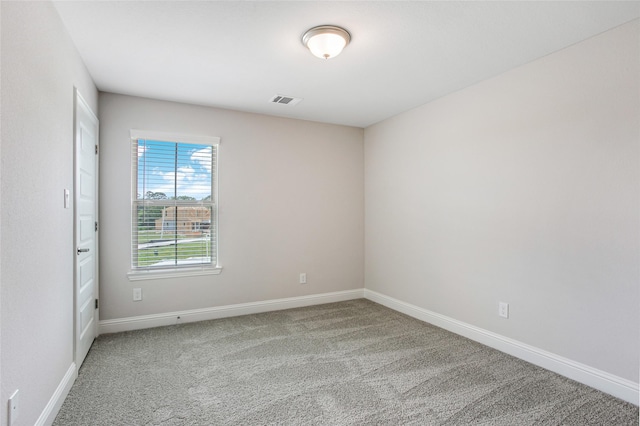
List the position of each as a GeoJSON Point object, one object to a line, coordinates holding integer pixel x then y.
{"type": "Point", "coordinates": [40, 67]}
{"type": "Point", "coordinates": [524, 189]}
{"type": "Point", "coordinates": [291, 200]}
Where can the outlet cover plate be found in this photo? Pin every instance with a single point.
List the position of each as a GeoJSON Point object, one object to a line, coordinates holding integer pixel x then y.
{"type": "Point", "coordinates": [503, 310]}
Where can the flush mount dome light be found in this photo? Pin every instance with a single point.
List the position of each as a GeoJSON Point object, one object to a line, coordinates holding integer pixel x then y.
{"type": "Point", "coordinates": [326, 41]}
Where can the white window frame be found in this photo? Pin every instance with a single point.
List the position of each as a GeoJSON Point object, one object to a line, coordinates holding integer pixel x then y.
{"type": "Point", "coordinates": [136, 274]}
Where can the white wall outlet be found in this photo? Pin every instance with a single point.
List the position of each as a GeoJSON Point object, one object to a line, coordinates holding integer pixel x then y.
{"type": "Point", "coordinates": [14, 408]}
{"type": "Point", "coordinates": [303, 278]}
{"type": "Point", "coordinates": [137, 294]}
{"type": "Point", "coordinates": [503, 310]}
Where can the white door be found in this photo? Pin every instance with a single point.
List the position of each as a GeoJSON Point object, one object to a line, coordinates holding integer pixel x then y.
{"type": "Point", "coordinates": [86, 228]}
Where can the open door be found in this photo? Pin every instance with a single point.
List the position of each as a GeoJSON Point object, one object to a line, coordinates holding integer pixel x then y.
{"type": "Point", "coordinates": [85, 228]}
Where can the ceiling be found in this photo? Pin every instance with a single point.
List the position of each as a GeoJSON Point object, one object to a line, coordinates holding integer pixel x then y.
{"type": "Point", "coordinates": [239, 54]}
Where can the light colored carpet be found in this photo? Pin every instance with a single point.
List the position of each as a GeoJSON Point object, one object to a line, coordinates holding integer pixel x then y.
{"type": "Point", "coordinates": [348, 363]}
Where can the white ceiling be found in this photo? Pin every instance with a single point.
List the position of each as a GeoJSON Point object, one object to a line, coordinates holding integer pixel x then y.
{"type": "Point", "coordinates": [238, 54]}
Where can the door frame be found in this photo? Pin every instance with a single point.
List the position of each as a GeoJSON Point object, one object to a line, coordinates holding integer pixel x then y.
{"type": "Point", "coordinates": [79, 102]}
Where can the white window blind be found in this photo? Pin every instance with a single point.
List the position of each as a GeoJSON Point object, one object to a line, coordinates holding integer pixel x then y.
{"type": "Point", "coordinates": [174, 202]}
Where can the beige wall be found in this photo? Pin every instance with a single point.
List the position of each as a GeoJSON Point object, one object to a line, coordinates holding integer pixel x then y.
{"type": "Point", "coordinates": [524, 189]}
{"type": "Point", "coordinates": [40, 67]}
{"type": "Point", "coordinates": [291, 200]}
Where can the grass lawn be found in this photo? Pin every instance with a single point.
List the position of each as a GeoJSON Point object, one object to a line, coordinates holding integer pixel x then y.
{"type": "Point", "coordinates": [152, 255]}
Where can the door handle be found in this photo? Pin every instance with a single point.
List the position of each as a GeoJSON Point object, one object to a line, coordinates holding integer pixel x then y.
{"type": "Point", "coordinates": [82, 250]}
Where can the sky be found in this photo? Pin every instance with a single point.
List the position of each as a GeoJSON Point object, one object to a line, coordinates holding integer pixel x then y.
{"type": "Point", "coordinates": [191, 172]}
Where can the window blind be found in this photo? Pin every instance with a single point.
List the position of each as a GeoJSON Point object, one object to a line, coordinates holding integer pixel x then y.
{"type": "Point", "coordinates": [174, 211]}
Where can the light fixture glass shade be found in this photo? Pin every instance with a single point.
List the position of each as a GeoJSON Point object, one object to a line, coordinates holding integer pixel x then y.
{"type": "Point", "coordinates": [326, 41]}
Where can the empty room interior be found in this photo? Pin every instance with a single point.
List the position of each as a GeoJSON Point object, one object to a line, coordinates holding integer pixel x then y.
{"type": "Point", "coordinates": [354, 204]}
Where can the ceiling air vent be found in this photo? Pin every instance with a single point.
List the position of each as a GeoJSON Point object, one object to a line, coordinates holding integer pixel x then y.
{"type": "Point", "coordinates": [285, 100]}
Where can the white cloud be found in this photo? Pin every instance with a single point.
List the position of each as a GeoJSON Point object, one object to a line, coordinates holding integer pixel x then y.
{"type": "Point", "coordinates": [185, 173]}
{"type": "Point", "coordinates": [189, 183]}
{"type": "Point", "coordinates": [203, 156]}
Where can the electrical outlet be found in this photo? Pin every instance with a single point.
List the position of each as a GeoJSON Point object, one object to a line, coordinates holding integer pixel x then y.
{"type": "Point", "coordinates": [503, 310]}
{"type": "Point", "coordinates": [137, 294]}
{"type": "Point", "coordinates": [303, 278]}
{"type": "Point", "coordinates": [13, 408]}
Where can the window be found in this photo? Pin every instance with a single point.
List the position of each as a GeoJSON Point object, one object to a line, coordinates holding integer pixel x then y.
{"type": "Point", "coordinates": [173, 205]}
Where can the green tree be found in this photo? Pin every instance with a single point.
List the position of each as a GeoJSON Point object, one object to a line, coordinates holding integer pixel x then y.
{"type": "Point", "coordinates": [147, 215]}
{"type": "Point", "coordinates": [150, 195]}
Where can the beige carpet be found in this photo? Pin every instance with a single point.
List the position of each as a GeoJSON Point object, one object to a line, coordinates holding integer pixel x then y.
{"type": "Point", "coordinates": [348, 363]}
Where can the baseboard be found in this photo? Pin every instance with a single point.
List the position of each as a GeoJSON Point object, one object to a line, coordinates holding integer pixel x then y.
{"type": "Point", "coordinates": [603, 381]}
{"type": "Point", "coordinates": [52, 408]}
{"type": "Point", "coordinates": [171, 318]}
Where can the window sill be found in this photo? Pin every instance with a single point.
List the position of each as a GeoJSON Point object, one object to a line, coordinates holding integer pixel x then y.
{"type": "Point", "coordinates": [172, 273]}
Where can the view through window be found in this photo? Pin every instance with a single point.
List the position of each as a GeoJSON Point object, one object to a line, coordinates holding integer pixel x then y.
{"type": "Point", "coordinates": [174, 211]}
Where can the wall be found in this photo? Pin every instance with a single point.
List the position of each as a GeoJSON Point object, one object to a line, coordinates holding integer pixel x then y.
{"type": "Point", "coordinates": [291, 200]}
{"type": "Point", "coordinates": [524, 189]}
{"type": "Point", "coordinates": [40, 67]}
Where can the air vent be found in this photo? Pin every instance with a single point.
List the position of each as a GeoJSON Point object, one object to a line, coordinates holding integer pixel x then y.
{"type": "Point", "coordinates": [284, 100]}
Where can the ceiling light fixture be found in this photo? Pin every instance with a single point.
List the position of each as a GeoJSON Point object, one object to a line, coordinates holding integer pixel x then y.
{"type": "Point", "coordinates": [326, 41]}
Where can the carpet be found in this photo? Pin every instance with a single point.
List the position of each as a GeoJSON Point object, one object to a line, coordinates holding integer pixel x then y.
{"type": "Point", "coordinates": [347, 363]}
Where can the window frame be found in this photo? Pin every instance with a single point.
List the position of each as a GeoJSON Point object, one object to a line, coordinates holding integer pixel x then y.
{"type": "Point", "coordinates": [174, 271]}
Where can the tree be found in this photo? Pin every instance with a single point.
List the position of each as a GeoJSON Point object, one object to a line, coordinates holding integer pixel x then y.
{"type": "Point", "coordinates": [147, 215]}
{"type": "Point", "coordinates": [150, 195]}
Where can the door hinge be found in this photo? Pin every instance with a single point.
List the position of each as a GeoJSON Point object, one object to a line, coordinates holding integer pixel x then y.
{"type": "Point", "coordinates": [96, 149]}
{"type": "Point", "coordinates": [96, 226]}
{"type": "Point", "coordinates": [97, 304]}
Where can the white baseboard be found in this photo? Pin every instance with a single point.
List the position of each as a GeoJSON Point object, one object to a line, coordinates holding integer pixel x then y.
{"type": "Point", "coordinates": [52, 408]}
{"type": "Point", "coordinates": [603, 381]}
{"type": "Point", "coordinates": [171, 318]}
